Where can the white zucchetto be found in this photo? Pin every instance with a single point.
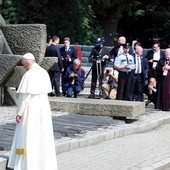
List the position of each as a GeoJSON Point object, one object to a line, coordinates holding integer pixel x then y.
{"type": "Point", "coordinates": [28, 56]}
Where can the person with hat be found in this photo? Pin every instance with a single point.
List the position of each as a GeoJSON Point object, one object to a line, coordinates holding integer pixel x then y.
{"type": "Point", "coordinates": [98, 57]}
{"type": "Point", "coordinates": [124, 63]}
{"type": "Point", "coordinates": [33, 139]}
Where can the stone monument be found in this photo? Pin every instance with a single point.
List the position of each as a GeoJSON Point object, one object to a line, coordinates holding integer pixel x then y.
{"type": "Point", "coordinates": [16, 40]}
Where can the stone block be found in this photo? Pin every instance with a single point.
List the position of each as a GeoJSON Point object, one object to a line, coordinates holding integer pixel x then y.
{"type": "Point", "coordinates": [23, 38]}
{"type": "Point", "coordinates": [48, 62]}
{"type": "Point", "coordinates": [19, 71]}
{"type": "Point", "coordinates": [98, 107]}
{"type": "Point", "coordinates": [7, 63]}
{"type": "Point", "coordinates": [16, 76]}
{"type": "Point", "coordinates": [4, 47]}
{"type": "Point", "coordinates": [2, 21]}
{"type": "Point", "coordinates": [3, 162]}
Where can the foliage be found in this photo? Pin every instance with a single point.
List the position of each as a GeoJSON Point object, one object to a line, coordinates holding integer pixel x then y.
{"type": "Point", "coordinates": [83, 20]}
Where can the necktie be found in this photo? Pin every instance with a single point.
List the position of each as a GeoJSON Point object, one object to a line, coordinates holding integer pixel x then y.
{"type": "Point", "coordinates": [138, 65]}
{"type": "Point", "coordinates": [127, 59]}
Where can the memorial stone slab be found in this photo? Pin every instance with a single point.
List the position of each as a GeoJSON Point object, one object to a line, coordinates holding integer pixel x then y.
{"type": "Point", "coordinates": [98, 107]}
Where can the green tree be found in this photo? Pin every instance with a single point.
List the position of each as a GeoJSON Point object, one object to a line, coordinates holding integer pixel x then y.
{"type": "Point", "coordinates": [147, 21]}
{"type": "Point", "coordinates": [83, 20]}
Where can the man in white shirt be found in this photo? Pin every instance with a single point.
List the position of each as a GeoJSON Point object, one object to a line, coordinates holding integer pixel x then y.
{"type": "Point", "coordinates": [153, 57]}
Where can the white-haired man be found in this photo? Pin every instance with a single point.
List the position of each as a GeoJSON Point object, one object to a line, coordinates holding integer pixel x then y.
{"type": "Point", "coordinates": [33, 140]}
{"type": "Point", "coordinates": [74, 79]}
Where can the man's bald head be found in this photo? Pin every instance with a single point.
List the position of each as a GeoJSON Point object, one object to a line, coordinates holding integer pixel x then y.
{"type": "Point", "coordinates": [121, 40]}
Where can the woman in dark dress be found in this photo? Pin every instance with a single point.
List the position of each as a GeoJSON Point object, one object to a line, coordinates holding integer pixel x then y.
{"type": "Point", "coordinates": [163, 68]}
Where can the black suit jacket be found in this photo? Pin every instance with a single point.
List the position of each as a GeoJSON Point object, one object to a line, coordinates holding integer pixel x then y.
{"type": "Point", "coordinates": [71, 52]}
{"type": "Point", "coordinates": [149, 56]}
{"type": "Point", "coordinates": [144, 67]}
{"type": "Point", "coordinates": [114, 52]}
{"type": "Point", "coordinates": [54, 51]}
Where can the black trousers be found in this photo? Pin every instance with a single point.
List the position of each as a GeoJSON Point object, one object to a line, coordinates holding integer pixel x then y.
{"type": "Point", "coordinates": [124, 80]}
{"type": "Point", "coordinates": [55, 81]}
{"type": "Point", "coordinates": [95, 77]}
{"type": "Point", "coordinates": [136, 88]}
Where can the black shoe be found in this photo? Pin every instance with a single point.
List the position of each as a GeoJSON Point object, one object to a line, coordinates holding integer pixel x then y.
{"type": "Point", "coordinates": [100, 95]}
{"type": "Point", "coordinates": [91, 96]}
{"type": "Point", "coordinates": [64, 93]}
{"type": "Point", "coordinates": [147, 102]}
{"type": "Point", "coordinates": [75, 95]}
{"type": "Point", "coordinates": [51, 94]}
{"type": "Point", "coordinates": [58, 95]}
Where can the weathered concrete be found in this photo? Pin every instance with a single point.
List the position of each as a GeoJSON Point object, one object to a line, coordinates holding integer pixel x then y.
{"type": "Point", "coordinates": [23, 38]}
{"type": "Point", "coordinates": [3, 162]}
{"type": "Point", "coordinates": [16, 76]}
{"type": "Point", "coordinates": [110, 133]}
{"type": "Point", "coordinates": [4, 47]}
{"type": "Point", "coordinates": [2, 21]}
{"type": "Point", "coordinates": [7, 63]}
{"type": "Point", "coordinates": [19, 71]}
{"type": "Point", "coordinates": [98, 107]}
{"type": "Point", "coordinates": [48, 62]}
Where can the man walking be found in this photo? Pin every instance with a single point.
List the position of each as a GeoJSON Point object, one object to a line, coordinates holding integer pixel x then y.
{"type": "Point", "coordinates": [33, 146]}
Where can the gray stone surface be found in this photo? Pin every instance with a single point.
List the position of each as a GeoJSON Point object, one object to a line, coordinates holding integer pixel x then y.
{"type": "Point", "coordinates": [2, 21]}
{"type": "Point", "coordinates": [98, 107]}
{"type": "Point", "coordinates": [19, 71]}
{"type": "Point", "coordinates": [16, 76]}
{"type": "Point", "coordinates": [4, 47]}
{"type": "Point", "coordinates": [25, 38]}
{"type": "Point", "coordinates": [142, 151]}
{"type": "Point", "coordinates": [7, 63]}
{"type": "Point", "coordinates": [111, 140]}
{"type": "Point", "coordinates": [64, 126]}
{"type": "Point", "coordinates": [48, 62]}
{"type": "Point", "coordinates": [3, 162]}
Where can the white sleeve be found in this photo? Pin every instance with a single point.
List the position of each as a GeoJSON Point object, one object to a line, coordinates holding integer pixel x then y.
{"type": "Point", "coordinates": [116, 73]}
{"type": "Point", "coordinates": [23, 102]}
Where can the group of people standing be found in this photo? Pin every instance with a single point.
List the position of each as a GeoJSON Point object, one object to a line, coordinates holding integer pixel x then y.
{"type": "Point", "coordinates": [68, 66]}
{"type": "Point", "coordinates": [138, 73]}
{"type": "Point", "coordinates": [133, 73]}
{"type": "Point", "coordinates": [34, 137]}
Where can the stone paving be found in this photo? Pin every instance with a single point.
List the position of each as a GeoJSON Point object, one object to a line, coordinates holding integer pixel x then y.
{"type": "Point", "coordinates": [74, 133]}
{"type": "Point", "coordinates": [141, 151]}
{"type": "Point", "coordinates": [64, 124]}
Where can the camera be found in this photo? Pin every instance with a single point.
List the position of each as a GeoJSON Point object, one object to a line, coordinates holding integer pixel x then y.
{"type": "Point", "coordinates": [99, 57]}
{"type": "Point", "coordinates": [107, 71]}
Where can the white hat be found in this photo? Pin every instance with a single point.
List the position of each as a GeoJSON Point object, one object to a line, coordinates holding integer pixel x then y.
{"type": "Point", "coordinates": [28, 56]}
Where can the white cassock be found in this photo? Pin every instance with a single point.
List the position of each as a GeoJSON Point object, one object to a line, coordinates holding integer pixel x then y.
{"type": "Point", "coordinates": [33, 146]}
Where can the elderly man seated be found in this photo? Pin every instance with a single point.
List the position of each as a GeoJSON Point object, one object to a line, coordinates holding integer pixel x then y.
{"type": "Point", "coordinates": [74, 78]}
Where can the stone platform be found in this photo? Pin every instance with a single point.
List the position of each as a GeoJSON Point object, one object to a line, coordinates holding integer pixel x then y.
{"type": "Point", "coordinates": [98, 107]}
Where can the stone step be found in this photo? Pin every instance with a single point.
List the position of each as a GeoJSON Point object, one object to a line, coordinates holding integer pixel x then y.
{"type": "Point", "coordinates": [98, 107]}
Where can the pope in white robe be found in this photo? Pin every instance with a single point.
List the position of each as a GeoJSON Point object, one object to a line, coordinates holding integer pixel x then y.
{"type": "Point", "coordinates": [33, 145]}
